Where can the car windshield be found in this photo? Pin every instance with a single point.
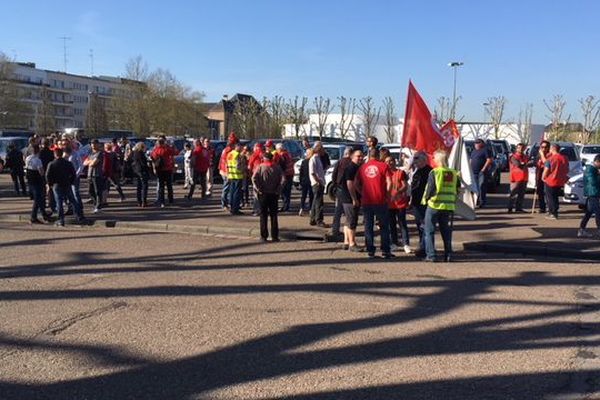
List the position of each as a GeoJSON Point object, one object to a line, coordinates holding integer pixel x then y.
{"type": "Point", "coordinates": [591, 150]}
{"type": "Point", "coordinates": [570, 153]}
{"type": "Point", "coordinates": [335, 153]}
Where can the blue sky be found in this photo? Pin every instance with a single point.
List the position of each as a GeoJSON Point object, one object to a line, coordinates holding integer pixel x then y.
{"type": "Point", "coordinates": [524, 50]}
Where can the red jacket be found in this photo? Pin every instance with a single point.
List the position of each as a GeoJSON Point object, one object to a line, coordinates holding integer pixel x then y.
{"type": "Point", "coordinates": [166, 153]}
{"type": "Point", "coordinates": [284, 159]}
{"type": "Point", "coordinates": [201, 159]}
{"type": "Point", "coordinates": [517, 173]}
{"type": "Point", "coordinates": [255, 160]}
{"type": "Point", "coordinates": [223, 160]}
{"type": "Point", "coordinates": [400, 202]}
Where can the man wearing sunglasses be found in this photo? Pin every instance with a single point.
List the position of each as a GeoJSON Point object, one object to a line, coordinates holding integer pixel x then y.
{"type": "Point", "coordinates": [541, 159]}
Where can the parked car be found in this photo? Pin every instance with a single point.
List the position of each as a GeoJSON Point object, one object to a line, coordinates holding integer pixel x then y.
{"type": "Point", "coordinates": [19, 141]}
{"type": "Point", "coordinates": [292, 146]}
{"type": "Point", "coordinates": [588, 152]}
{"type": "Point", "coordinates": [502, 153]}
{"type": "Point", "coordinates": [567, 149]}
{"type": "Point", "coordinates": [496, 168]}
{"type": "Point", "coordinates": [573, 191]}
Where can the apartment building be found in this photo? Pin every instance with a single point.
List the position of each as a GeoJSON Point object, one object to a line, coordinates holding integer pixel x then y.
{"type": "Point", "coordinates": [69, 94]}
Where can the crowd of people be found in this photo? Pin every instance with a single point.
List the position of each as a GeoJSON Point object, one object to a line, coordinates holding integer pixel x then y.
{"type": "Point", "coordinates": [374, 184]}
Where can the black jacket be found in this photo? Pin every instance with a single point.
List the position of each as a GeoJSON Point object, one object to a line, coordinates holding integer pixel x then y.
{"type": "Point", "coordinates": [60, 172]}
{"type": "Point", "coordinates": [139, 163]}
{"type": "Point", "coordinates": [46, 155]}
{"type": "Point", "coordinates": [418, 184]}
{"type": "Point", "coordinates": [14, 160]}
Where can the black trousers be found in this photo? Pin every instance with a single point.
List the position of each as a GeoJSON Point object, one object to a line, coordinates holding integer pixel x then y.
{"type": "Point", "coordinates": [552, 194]}
{"type": "Point", "coordinates": [18, 177]}
{"type": "Point", "coordinates": [268, 209]}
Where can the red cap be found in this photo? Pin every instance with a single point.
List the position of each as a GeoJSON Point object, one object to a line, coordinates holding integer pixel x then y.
{"type": "Point", "coordinates": [269, 143]}
{"type": "Point", "coordinates": [259, 146]}
{"type": "Point", "coordinates": [232, 138]}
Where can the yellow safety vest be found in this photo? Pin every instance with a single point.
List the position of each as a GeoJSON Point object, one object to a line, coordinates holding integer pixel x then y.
{"type": "Point", "coordinates": [233, 168]}
{"type": "Point", "coordinates": [446, 180]}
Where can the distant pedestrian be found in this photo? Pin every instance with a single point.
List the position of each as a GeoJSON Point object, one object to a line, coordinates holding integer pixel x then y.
{"type": "Point", "coordinates": [253, 163]}
{"type": "Point", "coordinates": [236, 166]}
{"type": "Point", "coordinates": [337, 175]}
{"type": "Point", "coordinates": [188, 172]}
{"type": "Point", "coordinates": [482, 162]}
{"type": "Point", "coordinates": [16, 163]}
{"type": "Point", "coordinates": [163, 162]}
{"type": "Point", "coordinates": [374, 183]}
{"type": "Point", "coordinates": [398, 203]}
{"type": "Point", "coordinates": [284, 159]}
{"type": "Point", "coordinates": [317, 181]}
{"type": "Point", "coordinates": [349, 197]}
{"type": "Point", "coordinates": [540, 162]}
{"type": "Point", "coordinates": [440, 197]}
{"type": "Point", "coordinates": [60, 176]}
{"type": "Point", "coordinates": [519, 175]}
{"type": "Point", "coordinates": [555, 175]}
{"type": "Point", "coordinates": [267, 182]}
{"type": "Point", "coordinates": [141, 171]}
{"type": "Point", "coordinates": [306, 193]}
{"type": "Point", "coordinates": [591, 190]}
{"type": "Point", "coordinates": [209, 173]}
{"type": "Point", "coordinates": [199, 165]}
{"type": "Point", "coordinates": [34, 171]}
{"type": "Point", "coordinates": [73, 157]}
{"type": "Point", "coordinates": [223, 170]}
{"type": "Point", "coordinates": [95, 162]}
{"type": "Point", "coordinates": [418, 183]}
{"type": "Point", "coordinates": [112, 171]}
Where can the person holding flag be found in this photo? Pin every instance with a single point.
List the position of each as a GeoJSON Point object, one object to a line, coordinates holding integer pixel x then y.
{"type": "Point", "coordinates": [440, 197]}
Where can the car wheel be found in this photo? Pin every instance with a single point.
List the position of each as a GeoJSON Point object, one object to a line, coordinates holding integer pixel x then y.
{"type": "Point", "coordinates": [330, 191]}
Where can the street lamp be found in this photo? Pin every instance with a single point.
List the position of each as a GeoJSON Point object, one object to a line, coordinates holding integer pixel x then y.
{"type": "Point", "coordinates": [485, 106]}
{"type": "Point", "coordinates": [455, 65]}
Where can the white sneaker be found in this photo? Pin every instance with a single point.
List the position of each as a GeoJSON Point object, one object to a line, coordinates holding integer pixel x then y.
{"type": "Point", "coordinates": [96, 211]}
{"type": "Point", "coordinates": [582, 233]}
{"type": "Point", "coordinates": [301, 212]}
{"type": "Point", "coordinates": [407, 249]}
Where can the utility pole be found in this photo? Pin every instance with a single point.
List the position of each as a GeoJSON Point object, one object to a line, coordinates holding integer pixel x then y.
{"type": "Point", "coordinates": [64, 39]}
{"type": "Point", "coordinates": [455, 65]}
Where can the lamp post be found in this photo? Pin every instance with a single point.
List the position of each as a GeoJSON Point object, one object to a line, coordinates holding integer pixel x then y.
{"type": "Point", "coordinates": [455, 65]}
{"type": "Point", "coordinates": [485, 106]}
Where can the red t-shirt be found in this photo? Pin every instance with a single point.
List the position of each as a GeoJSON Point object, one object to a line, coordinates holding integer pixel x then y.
{"type": "Point", "coordinates": [372, 177]}
{"type": "Point", "coordinates": [202, 162]}
{"type": "Point", "coordinates": [400, 202]}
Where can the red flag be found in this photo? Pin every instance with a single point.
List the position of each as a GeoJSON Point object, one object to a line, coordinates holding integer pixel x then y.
{"type": "Point", "coordinates": [420, 128]}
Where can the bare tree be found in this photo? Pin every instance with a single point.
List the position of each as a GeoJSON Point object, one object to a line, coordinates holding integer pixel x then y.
{"type": "Point", "coordinates": [370, 114]}
{"type": "Point", "coordinates": [277, 112]}
{"type": "Point", "coordinates": [347, 108]}
{"type": "Point", "coordinates": [14, 113]}
{"type": "Point", "coordinates": [323, 108]}
{"type": "Point", "coordinates": [443, 110]}
{"type": "Point", "coordinates": [590, 110]}
{"type": "Point", "coordinates": [44, 117]}
{"type": "Point", "coordinates": [96, 120]}
{"type": "Point", "coordinates": [495, 109]}
{"type": "Point", "coordinates": [390, 119]}
{"type": "Point", "coordinates": [556, 108]}
{"type": "Point", "coordinates": [297, 113]}
{"type": "Point", "coordinates": [523, 127]}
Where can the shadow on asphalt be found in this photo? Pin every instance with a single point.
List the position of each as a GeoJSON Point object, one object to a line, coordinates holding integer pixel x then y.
{"type": "Point", "coordinates": [276, 355]}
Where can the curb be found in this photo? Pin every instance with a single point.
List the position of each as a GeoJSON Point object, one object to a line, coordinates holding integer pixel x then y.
{"type": "Point", "coordinates": [542, 250]}
{"type": "Point", "coordinates": [227, 231]}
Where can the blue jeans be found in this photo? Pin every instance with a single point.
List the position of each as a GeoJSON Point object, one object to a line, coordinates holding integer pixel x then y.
{"type": "Point", "coordinates": [337, 217]}
{"type": "Point", "coordinates": [75, 189]}
{"type": "Point", "coordinates": [225, 193]}
{"type": "Point", "coordinates": [235, 194]}
{"type": "Point", "coordinates": [142, 188]}
{"type": "Point", "coordinates": [442, 218]}
{"type": "Point", "coordinates": [37, 192]}
{"type": "Point", "coordinates": [286, 193]}
{"type": "Point", "coordinates": [382, 214]}
{"type": "Point", "coordinates": [306, 193]}
{"type": "Point", "coordinates": [419, 212]}
{"type": "Point", "coordinates": [398, 219]}
{"type": "Point", "coordinates": [61, 194]}
{"type": "Point", "coordinates": [592, 207]}
{"type": "Point", "coordinates": [482, 188]}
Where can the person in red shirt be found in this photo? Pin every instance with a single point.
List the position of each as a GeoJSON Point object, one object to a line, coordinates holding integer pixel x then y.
{"type": "Point", "coordinates": [555, 176]}
{"type": "Point", "coordinates": [253, 163]}
{"type": "Point", "coordinates": [164, 163]}
{"type": "Point", "coordinates": [284, 159]}
{"type": "Point", "coordinates": [519, 163]}
{"type": "Point", "coordinates": [200, 164]}
{"type": "Point", "coordinates": [374, 183]}
{"type": "Point", "coordinates": [397, 203]}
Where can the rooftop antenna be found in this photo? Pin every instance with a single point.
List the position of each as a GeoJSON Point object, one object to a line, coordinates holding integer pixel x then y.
{"type": "Point", "coordinates": [64, 39]}
{"type": "Point", "coordinates": [91, 62]}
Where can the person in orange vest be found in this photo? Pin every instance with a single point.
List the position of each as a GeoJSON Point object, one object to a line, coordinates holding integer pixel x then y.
{"type": "Point", "coordinates": [555, 176]}
{"type": "Point", "coordinates": [231, 142]}
{"type": "Point", "coordinates": [519, 164]}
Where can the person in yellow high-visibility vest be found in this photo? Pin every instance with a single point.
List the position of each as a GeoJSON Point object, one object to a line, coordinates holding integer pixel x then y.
{"type": "Point", "coordinates": [235, 175]}
{"type": "Point", "coordinates": [440, 198]}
